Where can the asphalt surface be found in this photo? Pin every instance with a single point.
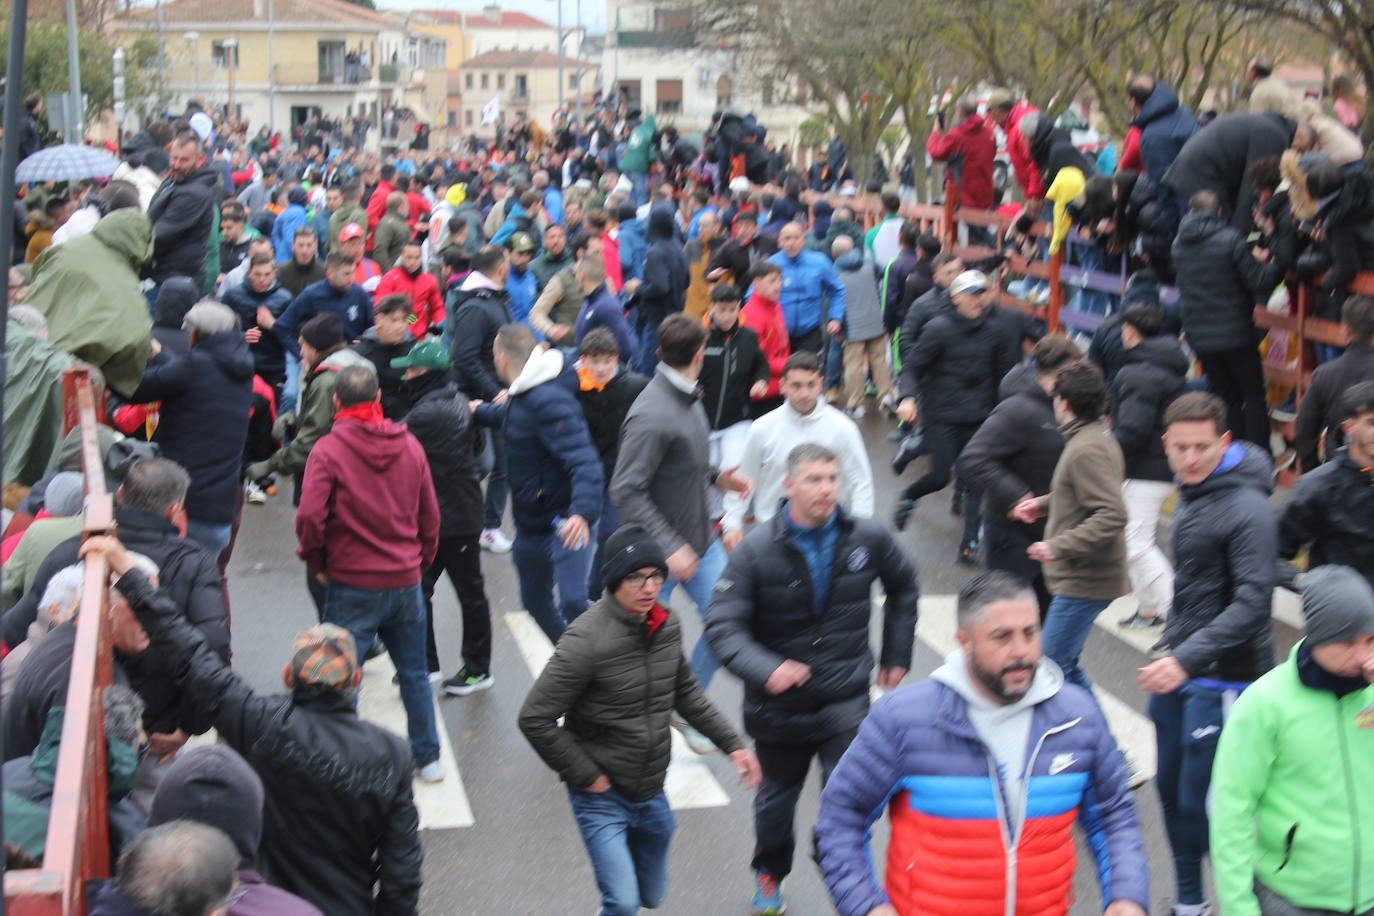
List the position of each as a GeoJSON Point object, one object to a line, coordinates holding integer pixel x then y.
{"type": "Point", "coordinates": [523, 854]}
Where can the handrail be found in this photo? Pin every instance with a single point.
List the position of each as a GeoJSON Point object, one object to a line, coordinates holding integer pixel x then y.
{"type": "Point", "coordinates": [78, 843]}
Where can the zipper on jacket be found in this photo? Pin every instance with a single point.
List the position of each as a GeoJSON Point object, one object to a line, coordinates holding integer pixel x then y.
{"type": "Point", "coordinates": [648, 695]}
{"type": "Point", "coordinates": [1287, 847]}
{"type": "Point", "coordinates": [728, 351]}
{"type": "Point", "coordinates": [1017, 828]}
{"type": "Point", "coordinates": [1354, 817]}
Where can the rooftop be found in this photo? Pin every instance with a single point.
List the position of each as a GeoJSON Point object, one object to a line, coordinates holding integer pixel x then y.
{"type": "Point", "coordinates": [491, 18]}
{"type": "Point", "coordinates": [234, 12]}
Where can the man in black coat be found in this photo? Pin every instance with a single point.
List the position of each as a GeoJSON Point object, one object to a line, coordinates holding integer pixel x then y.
{"type": "Point", "coordinates": [152, 495]}
{"type": "Point", "coordinates": [606, 391]}
{"type": "Point", "coordinates": [481, 307]}
{"type": "Point", "coordinates": [734, 260]}
{"type": "Point", "coordinates": [1328, 512]}
{"type": "Point", "coordinates": [183, 212]}
{"type": "Point", "coordinates": [1153, 373]}
{"type": "Point", "coordinates": [1217, 159]}
{"type": "Point", "coordinates": [205, 395]}
{"type": "Point", "coordinates": [1218, 632]}
{"type": "Point", "coordinates": [954, 369]}
{"type": "Point", "coordinates": [442, 422]}
{"type": "Point", "coordinates": [1219, 283]}
{"type": "Point", "coordinates": [1322, 409]}
{"type": "Point", "coordinates": [663, 290]}
{"type": "Point", "coordinates": [388, 340]}
{"type": "Point", "coordinates": [790, 617]}
{"type": "Point", "coordinates": [339, 817]}
{"type": "Point", "coordinates": [1014, 454]}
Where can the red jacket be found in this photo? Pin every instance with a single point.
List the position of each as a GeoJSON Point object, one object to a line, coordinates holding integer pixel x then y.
{"type": "Point", "coordinates": [376, 208]}
{"type": "Point", "coordinates": [1027, 173]}
{"type": "Point", "coordinates": [610, 254]}
{"type": "Point", "coordinates": [417, 207]}
{"type": "Point", "coordinates": [764, 317]}
{"type": "Point", "coordinates": [368, 516]}
{"type": "Point", "coordinates": [1130, 160]}
{"type": "Point", "coordinates": [425, 302]}
{"type": "Point", "coordinates": [969, 148]}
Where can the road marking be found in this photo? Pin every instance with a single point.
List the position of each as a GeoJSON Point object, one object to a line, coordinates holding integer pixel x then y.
{"type": "Point", "coordinates": [1287, 609]}
{"type": "Point", "coordinates": [690, 782]}
{"type": "Point", "coordinates": [1134, 733]}
{"type": "Point", "coordinates": [442, 805]}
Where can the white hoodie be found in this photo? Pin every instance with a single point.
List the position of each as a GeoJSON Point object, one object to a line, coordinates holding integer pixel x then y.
{"type": "Point", "coordinates": [542, 366]}
{"type": "Point", "coordinates": [773, 435]}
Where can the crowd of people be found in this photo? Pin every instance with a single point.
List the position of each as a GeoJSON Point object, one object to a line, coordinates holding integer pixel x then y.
{"type": "Point", "coordinates": [655, 360]}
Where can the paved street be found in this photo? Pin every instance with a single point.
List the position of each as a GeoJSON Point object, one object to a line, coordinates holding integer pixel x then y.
{"type": "Point", "coordinates": [499, 836]}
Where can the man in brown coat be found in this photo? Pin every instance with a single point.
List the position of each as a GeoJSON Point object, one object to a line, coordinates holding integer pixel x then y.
{"type": "Point", "coordinates": [1084, 551]}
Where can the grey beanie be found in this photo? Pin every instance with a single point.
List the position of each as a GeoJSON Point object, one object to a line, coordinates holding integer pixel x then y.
{"type": "Point", "coordinates": [1337, 603]}
{"type": "Point", "coordinates": [65, 494]}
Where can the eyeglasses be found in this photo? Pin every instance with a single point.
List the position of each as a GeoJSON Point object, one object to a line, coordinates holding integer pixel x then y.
{"type": "Point", "coordinates": [637, 580]}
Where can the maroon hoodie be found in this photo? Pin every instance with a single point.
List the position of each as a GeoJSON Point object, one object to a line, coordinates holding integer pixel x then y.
{"type": "Point", "coordinates": [368, 516]}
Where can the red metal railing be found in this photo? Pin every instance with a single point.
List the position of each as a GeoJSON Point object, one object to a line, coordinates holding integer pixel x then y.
{"type": "Point", "coordinates": [78, 844]}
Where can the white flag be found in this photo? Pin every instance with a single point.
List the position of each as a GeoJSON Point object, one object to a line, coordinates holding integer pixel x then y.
{"type": "Point", "coordinates": [491, 111]}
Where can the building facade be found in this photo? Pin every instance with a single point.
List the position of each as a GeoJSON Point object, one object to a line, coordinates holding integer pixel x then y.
{"type": "Point", "coordinates": [521, 83]}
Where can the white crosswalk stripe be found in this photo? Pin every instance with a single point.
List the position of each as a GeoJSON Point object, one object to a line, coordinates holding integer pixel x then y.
{"type": "Point", "coordinates": [442, 805]}
{"type": "Point", "coordinates": [689, 784]}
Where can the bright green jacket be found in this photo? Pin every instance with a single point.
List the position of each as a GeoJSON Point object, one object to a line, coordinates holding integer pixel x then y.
{"type": "Point", "coordinates": [1293, 797]}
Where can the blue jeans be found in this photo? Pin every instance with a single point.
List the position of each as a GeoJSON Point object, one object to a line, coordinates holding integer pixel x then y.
{"type": "Point", "coordinates": [1188, 723]}
{"type": "Point", "coordinates": [628, 845]}
{"type": "Point", "coordinates": [639, 188]}
{"type": "Point", "coordinates": [397, 617]}
{"type": "Point", "coordinates": [498, 484]}
{"type": "Point", "coordinates": [699, 588]}
{"type": "Point", "coordinates": [610, 521]}
{"type": "Point", "coordinates": [646, 345]}
{"type": "Point", "coordinates": [213, 538]}
{"type": "Point", "coordinates": [834, 363]}
{"type": "Point", "coordinates": [1067, 626]}
{"type": "Point", "coordinates": [291, 388]}
{"type": "Point", "coordinates": [541, 563]}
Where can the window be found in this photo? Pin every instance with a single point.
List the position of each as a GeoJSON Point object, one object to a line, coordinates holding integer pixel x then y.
{"type": "Point", "coordinates": [223, 57]}
{"type": "Point", "coordinates": [522, 85]}
{"type": "Point", "coordinates": [500, 81]}
{"type": "Point", "coordinates": [413, 52]}
{"type": "Point", "coordinates": [573, 80]}
{"type": "Point", "coordinates": [467, 117]}
{"type": "Point", "coordinates": [672, 20]}
{"type": "Point", "coordinates": [486, 81]}
{"type": "Point", "coordinates": [629, 90]}
{"type": "Point", "coordinates": [453, 119]}
{"type": "Point", "coordinates": [669, 96]}
{"type": "Point", "coordinates": [467, 81]}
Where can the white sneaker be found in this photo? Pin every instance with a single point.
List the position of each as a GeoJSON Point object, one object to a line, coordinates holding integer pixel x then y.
{"type": "Point", "coordinates": [494, 540]}
{"type": "Point", "coordinates": [857, 413]}
{"type": "Point", "coordinates": [431, 772]}
{"type": "Point", "coordinates": [254, 493]}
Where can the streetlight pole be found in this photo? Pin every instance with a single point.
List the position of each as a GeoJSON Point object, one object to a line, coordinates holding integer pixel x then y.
{"type": "Point", "coordinates": [75, 121]}
{"type": "Point", "coordinates": [118, 89]}
{"type": "Point", "coordinates": [191, 39]}
{"type": "Point", "coordinates": [271, 69]}
{"type": "Point", "coordinates": [560, 52]}
{"type": "Point", "coordinates": [580, 34]}
{"type": "Point", "coordinates": [231, 55]}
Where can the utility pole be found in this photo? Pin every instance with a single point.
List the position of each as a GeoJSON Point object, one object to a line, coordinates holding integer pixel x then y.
{"type": "Point", "coordinates": [231, 60]}
{"type": "Point", "coordinates": [75, 120]}
{"type": "Point", "coordinates": [271, 70]}
{"type": "Point", "coordinates": [191, 39]}
{"type": "Point", "coordinates": [161, 50]}
{"type": "Point", "coordinates": [560, 52]}
{"type": "Point", "coordinates": [580, 34]}
{"type": "Point", "coordinates": [119, 94]}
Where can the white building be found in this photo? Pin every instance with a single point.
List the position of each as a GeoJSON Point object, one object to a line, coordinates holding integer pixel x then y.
{"type": "Point", "coordinates": [651, 55]}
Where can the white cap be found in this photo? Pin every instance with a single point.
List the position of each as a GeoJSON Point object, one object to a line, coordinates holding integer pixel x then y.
{"type": "Point", "coordinates": [202, 125]}
{"type": "Point", "coordinates": [969, 281]}
{"type": "Point", "coordinates": [623, 184]}
{"type": "Point", "coordinates": [739, 185]}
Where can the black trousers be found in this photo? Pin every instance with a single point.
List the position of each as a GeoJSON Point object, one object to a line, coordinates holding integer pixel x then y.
{"type": "Point", "coordinates": [775, 805]}
{"type": "Point", "coordinates": [1237, 377]}
{"type": "Point", "coordinates": [1004, 548]}
{"type": "Point", "coordinates": [813, 341]}
{"type": "Point", "coordinates": [461, 558]}
{"type": "Point", "coordinates": [944, 442]}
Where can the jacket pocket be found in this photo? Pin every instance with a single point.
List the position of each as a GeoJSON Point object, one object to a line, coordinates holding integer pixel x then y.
{"type": "Point", "coordinates": [1287, 847]}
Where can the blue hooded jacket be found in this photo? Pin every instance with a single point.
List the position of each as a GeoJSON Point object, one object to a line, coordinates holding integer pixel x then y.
{"type": "Point", "coordinates": [1165, 126]}
{"type": "Point", "coordinates": [808, 280]}
{"type": "Point", "coordinates": [287, 222]}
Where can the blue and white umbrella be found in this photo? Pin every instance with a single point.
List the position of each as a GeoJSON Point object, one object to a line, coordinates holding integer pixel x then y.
{"type": "Point", "coordinates": [67, 162]}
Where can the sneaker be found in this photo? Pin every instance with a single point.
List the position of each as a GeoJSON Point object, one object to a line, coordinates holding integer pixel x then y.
{"type": "Point", "coordinates": [833, 395]}
{"type": "Point", "coordinates": [1135, 778]}
{"type": "Point", "coordinates": [252, 493]}
{"type": "Point", "coordinates": [856, 413]}
{"type": "Point", "coordinates": [435, 677]}
{"type": "Point", "coordinates": [968, 553]}
{"type": "Point", "coordinates": [494, 540]}
{"type": "Point", "coordinates": [910, 448]}
{"type": "Point", "coordinates": [1136, 622]}
{"type": "Point", "coordinates": [431, 772]}
{"type": "Point", "coordinates": [699, 743]}
{"type": "Point", "coordinates": [768, 895]}
{"type": "Point", "coordinates": [1286, 412]}
{"type": "Point", "coordinates": [888, 404]}
{"type": "Point", "coordinates": [466, 682]}
{"type": "Point", "coordinates": [902, 514]}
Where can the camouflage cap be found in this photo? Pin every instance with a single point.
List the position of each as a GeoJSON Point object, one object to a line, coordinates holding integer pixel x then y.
{"type": "Point", "coordinates": [324, 656]}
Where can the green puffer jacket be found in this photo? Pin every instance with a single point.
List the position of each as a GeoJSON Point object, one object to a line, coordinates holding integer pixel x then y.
{"type": "Point", "coordinates": [88, 289]}
{"type": "Point", "coordinates": [1291, 802]}
{"type": "Point", "coordinates": [616, 685]}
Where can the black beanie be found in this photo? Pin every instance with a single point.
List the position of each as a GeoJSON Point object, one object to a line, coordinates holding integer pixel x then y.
{"type": "Point", "coordinates": [214, 786]}
{"type": "Point", "coordinates": [630, 548]}
{"type": "Point", "coordinates": [324, 332]}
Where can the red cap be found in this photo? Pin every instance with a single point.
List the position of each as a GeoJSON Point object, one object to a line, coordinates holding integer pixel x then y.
{"type": "Point", "coordinates": [351, 231]}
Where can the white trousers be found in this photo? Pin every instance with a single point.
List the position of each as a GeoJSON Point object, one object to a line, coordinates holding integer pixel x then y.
{"type": "Point", "coordinates": [1152, 578]}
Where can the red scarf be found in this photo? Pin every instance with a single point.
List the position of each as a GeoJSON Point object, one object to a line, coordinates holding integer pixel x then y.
{"type": "Point", "coordinates": [369, 412]}
{"type": "Point", "coordinates": [656, 618]}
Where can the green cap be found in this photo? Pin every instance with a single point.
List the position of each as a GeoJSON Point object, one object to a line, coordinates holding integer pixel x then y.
{"type": "Point", "coordinates": [521, 241]}
{"type": "Point", "coordinates": [427, 354]}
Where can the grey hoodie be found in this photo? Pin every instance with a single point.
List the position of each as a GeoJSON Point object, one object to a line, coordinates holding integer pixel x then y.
{"type": "Point", "coordinates": [863, 316]}
{"type": "Point", "coordinates": [1004, 728]}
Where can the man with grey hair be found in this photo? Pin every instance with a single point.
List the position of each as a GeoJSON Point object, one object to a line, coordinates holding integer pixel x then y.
{"type": "Point", "coordinates": [997, 721]}
{"type": "Point", "coordinates": [206, 395]}
{"type": "Point", "coordinates": [806, 683]}
{"type": "Point", "coordinates": [179, 869]}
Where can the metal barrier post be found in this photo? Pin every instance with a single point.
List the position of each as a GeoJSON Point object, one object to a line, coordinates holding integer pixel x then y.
{"type": "Point", "coordinates": [1056, 290]}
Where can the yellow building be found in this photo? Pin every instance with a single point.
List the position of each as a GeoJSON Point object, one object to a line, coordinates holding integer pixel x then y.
{"type": "Point", "coordinates": [523, 83]}
{"type": "Point", "coordinates": [280, 62]}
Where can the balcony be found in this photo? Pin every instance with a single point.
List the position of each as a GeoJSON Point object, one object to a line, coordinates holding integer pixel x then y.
{"type": "Point", "coordinates": [388, 73]}
{"type": "Point", "coordinates": [676, 38]}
